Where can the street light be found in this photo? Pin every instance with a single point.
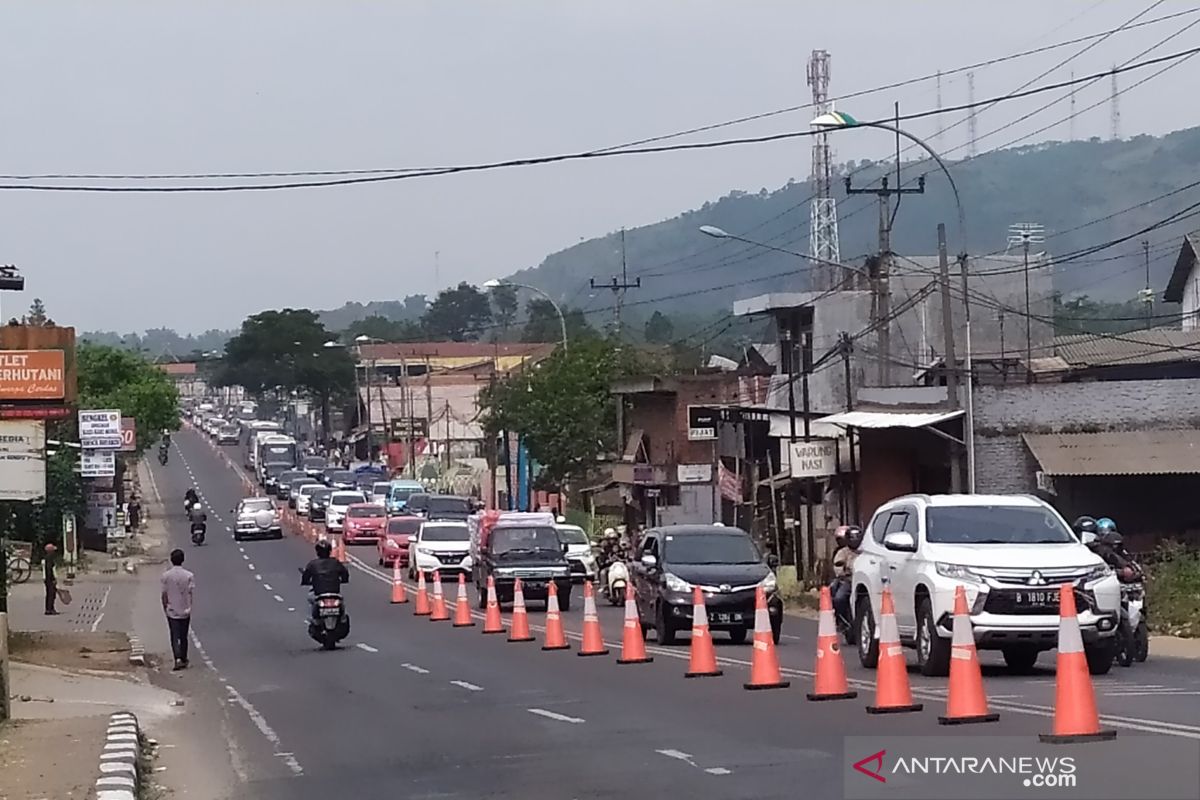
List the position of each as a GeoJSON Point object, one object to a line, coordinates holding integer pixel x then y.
{"type": "Point", "coordinates": [721, 233]}
{"type": "Point", "coordinates": [496, 283]}
{"type": "Point", "coordinates": [838, 120]}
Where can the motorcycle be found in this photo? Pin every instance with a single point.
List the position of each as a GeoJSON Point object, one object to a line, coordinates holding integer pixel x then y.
{"type": "Point", "coordinates": [330, 623]}
{"type": "Point", "coordinates": [199, 529]}
{"type": "Point", "coordinates": [162, 456]}
{"type": "Point", "coordinates": [1133, 636]}
{"type": "Point", "coordinates": [615, 579]}
{"type": "Point", "coordinates": [845, 625]}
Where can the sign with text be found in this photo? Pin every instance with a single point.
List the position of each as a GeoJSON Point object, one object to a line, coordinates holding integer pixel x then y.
{"type": "Point", "coordinates": [410, 428]}
{"type": "Point", "coordinates": [100, 429]}
{"type": "Point", "coordinates": [22, 460]}
{"type": "Point", "coordinates": [128, 434]}
{"type": "Point", "coordinates": [98, 463]}
{"type": "Point", "coordinates": [101, 509]}
{"type": "Point", "coordinates": [694, 473]}
{"type": "Point", "coordinates": [813, 459]}
{"type": "Point", "coordinates": [32, 375]}
{"type": "Point", "coordinates": [702, 423]}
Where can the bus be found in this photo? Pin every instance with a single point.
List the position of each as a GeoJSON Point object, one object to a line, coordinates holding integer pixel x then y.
{"type": "Point", "coordinates": [251, 432]}
{"type": "Point", "coordinates": [275, 448]}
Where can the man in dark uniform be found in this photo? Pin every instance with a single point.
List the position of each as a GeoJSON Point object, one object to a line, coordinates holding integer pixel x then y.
{"type": "Point", "coordinates": [50, 579]}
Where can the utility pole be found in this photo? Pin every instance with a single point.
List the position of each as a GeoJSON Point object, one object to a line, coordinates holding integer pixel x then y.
{"type": "Point", "coordinates": [618, 286]}
{"type": "Point", "coordinates": [1115, 99]}
{"type": "Point", "coordinates": [788, 353]}
{"type": "Point", "coordinates": [1147, 295]}
{"type": "Point", "coordinates": [1027, 233]}
{"type": "Point", "coordinates": [846, 348]}
{"type": "Point", "coordinates": [951, 360]}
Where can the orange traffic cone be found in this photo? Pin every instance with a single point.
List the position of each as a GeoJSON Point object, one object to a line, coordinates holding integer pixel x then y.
{"type": "Point", "coordinates": [439, 601]}
{"type": "Point", "coordinates": [966, 700]}
{"type": "Point", "coordinates": [556, 639]}
{"type": "Point", "coordinates": [462, 607]}
{"type": "Point", "coordinates": [520, 617]}
{"type": "Point", "coordinates": [491, 621]}
{"type": "Point", "coordinates": [421, 608]}
{"type": "Point", "coordinates": [829, 676]}
{"type": "Point", "coordinates": [399, 593]}
{"type": "Point", "coordinates": [764, 664]}
{"type": "Point", "coordinates": [633, 645]}
{"type": "Point", "coordinates": [339, 544]}
{"type": "Point", "coordinates": [593, 637]}
{"type": "Point", "coordinates": [893, 695]}
{"type": "Point", "coordinates": [1075, 715]}
{"type": "Point", "coordinates": [702, 661]}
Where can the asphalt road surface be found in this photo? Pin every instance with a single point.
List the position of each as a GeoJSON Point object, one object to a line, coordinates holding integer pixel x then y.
{"type": "Point", "coordinates": [413, 709]}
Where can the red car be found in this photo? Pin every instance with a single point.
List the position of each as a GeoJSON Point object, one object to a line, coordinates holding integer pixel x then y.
{"type": "Point", "coordinates": [364, 523]}
{"type": "Point", "coordinates": [393, 544]}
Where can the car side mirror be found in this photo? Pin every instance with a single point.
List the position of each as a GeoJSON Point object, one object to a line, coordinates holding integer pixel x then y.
{"type": "Point", "coordinates": [412, 540]}
{"type": "Point", "coordinates": [565, 547]}
{"type": "Point", "coordinates": [1088, 537]}
{"type": "Point", "coordinates": [649, 560]}
{"type": "Point", "coordinates": [901, 541]}
{"type": "Point", "coordinates": [772, 561]}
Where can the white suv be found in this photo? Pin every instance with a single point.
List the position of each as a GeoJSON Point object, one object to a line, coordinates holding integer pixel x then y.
{"type": "Point", "coordinates": [1010, 553]}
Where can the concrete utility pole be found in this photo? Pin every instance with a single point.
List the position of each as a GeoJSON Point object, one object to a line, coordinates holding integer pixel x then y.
{"type": "Point", "coordinates": [951, 360]}
{"type": "Point", "coordinates": [846, 349]}
{"type": "Point", "coordinates": [617, 286]}
{"type": "Point", "coordinates": [1027, 233]}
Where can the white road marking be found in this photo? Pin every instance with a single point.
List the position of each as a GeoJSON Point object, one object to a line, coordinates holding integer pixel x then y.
{"type": "Point", "coordinates": [267, 586]}
{"type": "Point", "coordinates": [291, 608]}
{"type": "Point", "coordinates": [366, 647]}
{"type": "Point", "coordinates": [96, 624]}
{"type": "Point", "coordinates": [470, 687]}
{"type": "Point", "coordinates": [415, 668]}
{"type": "Point", "coordinates": [1166, 693]}
{"type": "Point", "coordinates": [690, 760]}
{"type": "Point", "coordinates": [244, 555]}
{"type": "Point", "coordinates": [541, 712]}
{"type": "Point", "coordinates": [257, 577]}
{"type": "Point", "coordinates": [718, 771]}
{"type": "Point", "coordinates": [251, 565]}
{"type": "Point", "coordinates": [280, 599]}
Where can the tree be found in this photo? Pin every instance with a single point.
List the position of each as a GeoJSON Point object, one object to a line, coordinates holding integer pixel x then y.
{"type": "Point", "coordinates": [543, 324]}
{"type": "Point", "coordinates": [504, 301]}
{"type": "Point", "coordinates": [659, 328]}
{"type": "Point", "coordinates": [37, 314]}
{"type": "Point", "coordinates": [110, 377]}
{"type": "Point", "coordinates": [380, 327]}
{"type": "Point", "coordinates": [460, 314]}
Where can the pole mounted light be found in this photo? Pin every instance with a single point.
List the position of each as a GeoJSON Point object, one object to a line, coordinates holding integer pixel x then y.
{"type": "Point", "coordinates": [496, 283]}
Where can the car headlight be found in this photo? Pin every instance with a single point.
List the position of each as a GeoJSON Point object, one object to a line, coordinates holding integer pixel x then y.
{"type": "Point", "coordinates": [769, 584]}
{"type": "Point", "coordinates": [676, 584]}
{"type": "Point", "coordinates": [1097, 573]}
{"type": "Point", "coordinates": [956, 572]}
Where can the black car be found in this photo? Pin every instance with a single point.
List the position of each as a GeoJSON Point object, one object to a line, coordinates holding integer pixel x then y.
{"type": "Point", "coordinates": [526, 550]}
{"type": "Point", "coordinates": [341, 479]}
{"type": "Point", "coordinates": [418, 504]}
{"type": "Point", "coordinates": [318, 504]}
{"type": "Point", "coordinates": [314, 465]}
{"type": "Point", "coordinates": [726, 565]}
{"type": "Point", "coordinates": [446, 506]}
{"type": "Point", "coordinates": [271, 473]}
{"type": "Point", "coordinates": [283, 483]}
{"type": "Point", "coordinates": [295, 485]}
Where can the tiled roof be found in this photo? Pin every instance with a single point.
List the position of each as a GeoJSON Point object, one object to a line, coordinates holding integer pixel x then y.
{"type": "Point", "coordinates": [1117, 452]}
{"type": "Point", "coordinates": [1153, 346]}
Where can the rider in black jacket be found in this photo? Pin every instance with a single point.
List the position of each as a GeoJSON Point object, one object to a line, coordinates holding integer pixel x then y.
{"type": "Point", "coordinates": [324, 574]}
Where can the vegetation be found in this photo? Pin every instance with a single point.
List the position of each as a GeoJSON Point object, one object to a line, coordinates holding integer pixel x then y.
{"type": "Point", "coordinates": [110, 377]}
{"type": "Point", "coordinates": [1173, 590]}
{"type": "Point", "coordinates": [1082, 314]}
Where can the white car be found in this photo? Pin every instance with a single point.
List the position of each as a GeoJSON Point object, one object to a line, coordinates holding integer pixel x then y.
{"type": "Point", "coordinates": [441, 545]}
{"type": "Point", "coordinates": [257, 518]}
{"type": "Point", "coordinates": [379, 492]}
{"type": "Point", "coordinates": [579, 553]}
{"type": "Point", "coordinates": [339, 501]}
{"type": "Point", "coordinates": [1011, 553]}
{"type": "Point", "coordinates": [304, 496]}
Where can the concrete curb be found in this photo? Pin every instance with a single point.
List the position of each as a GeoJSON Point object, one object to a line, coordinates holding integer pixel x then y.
{"type": "Point", "coordinates": [137, 651]}
{"type": "Point", "coordinates": [119, 760]}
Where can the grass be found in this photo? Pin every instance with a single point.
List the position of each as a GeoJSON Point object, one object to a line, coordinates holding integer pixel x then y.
{"type": "Point", "coordinates": [794, 594]}
{"type": "Point", "coordinates": [1173, 591]}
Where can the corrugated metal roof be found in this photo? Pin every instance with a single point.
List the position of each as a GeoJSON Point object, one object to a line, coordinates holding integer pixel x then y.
{"type": "Point", "coordinates": [1154, 346]}
{"type": "Point", "coordinates": [1117, 452]}
{"type": "Point", "coordinates": [889, 419]}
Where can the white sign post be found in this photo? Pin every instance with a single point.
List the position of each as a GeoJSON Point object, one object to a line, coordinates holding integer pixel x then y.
{"type": "Point", "coordinates": [22, 459]}
{"type": "Point", "coordinates": [98, 463]}
{"type": "Point", "coordinates": [100, 429]}
{"type": "Point", "coordinates": [813, 459]}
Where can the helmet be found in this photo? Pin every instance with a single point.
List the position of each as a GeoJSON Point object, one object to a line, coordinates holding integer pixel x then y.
{"type": "Point", "coordinates": [196, 506]}
{"type": "Point", "coordinates": [854, 537]}
{"type": "Point", "coordinates": [324, 548]}
{"type": "Point", "coordinates": [1084, 525]}
{"type": "Point", "coordinates": [1104, 525]}
{"type": "Point", "coordinates": [610, 533]}
{"type": "Point", "coordinates": [1112, 539]}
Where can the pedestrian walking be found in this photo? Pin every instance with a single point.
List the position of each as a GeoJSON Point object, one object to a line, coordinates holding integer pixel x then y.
{"type": "Point", "coordinates": [135, 513]}
{"type": "Point", "coordinates": [178, 585]}
{"type": "Point", "coordinates": [50, 579]}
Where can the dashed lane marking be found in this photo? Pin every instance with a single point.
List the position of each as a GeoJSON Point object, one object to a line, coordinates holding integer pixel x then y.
{"type": "Point", "coordinates": [367, 647]}
{"type": "Point", "coordinates": [267, 586]}
{"type": "Point", "coordinates": [541, 712]}
{"type": "Point", "coordinates": [415, 668]}
{"type": "Point", "coordinates": [470, 687]}
{"type": "Point", "coordinates": [280, 599]}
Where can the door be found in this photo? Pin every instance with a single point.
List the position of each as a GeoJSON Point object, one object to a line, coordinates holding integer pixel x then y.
{"type": "Point", "coordinates": [901, 569]}
{"type": "Point", "coordinates": [645, 580]}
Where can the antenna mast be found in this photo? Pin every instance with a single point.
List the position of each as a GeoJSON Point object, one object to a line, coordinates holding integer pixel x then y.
{"type": "Point", "coordinates": [823, 241]}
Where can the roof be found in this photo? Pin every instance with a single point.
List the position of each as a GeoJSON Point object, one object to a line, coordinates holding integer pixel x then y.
{"type": "Point", "coordinates": [983, 500]}
{"type": "Point", "coordinates": [1153, 346]}
{"type": "Point", "coordinates": [780, 427]}
{"type": "Point", "coordinates": [889, 419]}
{"type": "Point", "coordinates": [179, 369]}
{"type": "Point", "coordinates": [483, 350]}
{"type": "Point", "coordinates": [1174, 452]}
{"type": "Point", "coordinates": [1183, 268]}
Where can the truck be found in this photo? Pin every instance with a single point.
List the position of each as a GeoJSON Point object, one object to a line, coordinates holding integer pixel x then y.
{"type": "Point", "coordinates": [275, 448]}
{"type": "Point", "coordinates": [506, 545]}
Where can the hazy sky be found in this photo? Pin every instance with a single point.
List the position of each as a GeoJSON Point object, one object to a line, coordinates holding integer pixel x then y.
{"type": "Point", "coordinates": [148, 87]}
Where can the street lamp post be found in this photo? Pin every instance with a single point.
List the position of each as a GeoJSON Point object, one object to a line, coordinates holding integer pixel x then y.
{"type": "Point", "coordinates": [837, 120]}
{"type": "Point", "coordinates": [367, 370]}
{"type": "Point", "coordinates": [496, 283]}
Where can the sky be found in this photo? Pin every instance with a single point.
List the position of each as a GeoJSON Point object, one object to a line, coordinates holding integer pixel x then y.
{"type": "Point", "coordinates": [181, 87]}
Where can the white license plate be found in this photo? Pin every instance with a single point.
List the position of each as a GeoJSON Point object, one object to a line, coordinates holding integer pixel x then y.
{"type": "Point", "coordinates": [726, 617]}
{"type": "Point", "coordinates": [330, 612]}
{"type": "Point", "coordinates": [1037, 597]}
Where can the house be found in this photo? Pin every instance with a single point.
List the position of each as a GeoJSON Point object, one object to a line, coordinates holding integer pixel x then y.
{"type": "Point", "coordinates": [1184, 284]}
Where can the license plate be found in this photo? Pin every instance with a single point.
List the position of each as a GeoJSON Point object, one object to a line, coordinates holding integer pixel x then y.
{"type": "Point", "coordinates": [726, 617]}
{"type": "Point", "coordinates": [1037, 597]}
{"type": "Point", "coordinates": [533, 585]}
{"type": "Point", "coordinates": [330, 612]}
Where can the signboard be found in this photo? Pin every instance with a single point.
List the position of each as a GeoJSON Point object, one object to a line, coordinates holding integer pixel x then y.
{"type": "Point", "coordinates": [98, 463]}
{"type": "Point", "coordinates": [35, 412]}
{"type": "Point", "coordinates": [101, 510]}
{"type": "Point", "coordinates": [813, 459]}
{"type": "Point", "coordinates": [694, 473]}
{"type": "Point", "coordinates": [128, 434]}
{"type": "Point", "coordinates": [410, 428]}
{"type": "Point", "coordinates": [100, 429]}
{"type": "Point", "coordinates": [32, 375]}
{"type": "Point", "coordinates": [22, 460]}
{"type": "Point", "coordinates": [702, 423]}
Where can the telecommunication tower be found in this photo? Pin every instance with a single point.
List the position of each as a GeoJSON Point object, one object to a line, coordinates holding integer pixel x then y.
{"type": "Point", "coordinates": [1116, 107]}
{"type": "Point", "coordinates": [823, 222]}
{"type": "Point", "coordinates": [972, 123]}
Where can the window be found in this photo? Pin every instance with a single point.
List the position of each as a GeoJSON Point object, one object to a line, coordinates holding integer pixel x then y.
{"type": "Point", "coordinates": [995, 525]}
{"type": "Point", "coordinates": [445, 533]}
{"type": "Point", "coordinates": [897, 521]}
{"type": "Point", "coordinates": [650, 546]}
{"type": "Point", "coordinates": [878, 526]}
{"type": "Point", "coordinates": [367, 512]}
{"type": "Point", "coordinates": [711, 548]}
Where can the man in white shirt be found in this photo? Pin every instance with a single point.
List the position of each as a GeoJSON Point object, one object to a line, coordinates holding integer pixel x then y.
{"type": "Point", "coordinates": [178, 585]}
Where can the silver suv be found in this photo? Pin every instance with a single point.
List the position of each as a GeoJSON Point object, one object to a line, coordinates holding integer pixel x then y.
{"type": "Point", "coordinates": [1010, 552]}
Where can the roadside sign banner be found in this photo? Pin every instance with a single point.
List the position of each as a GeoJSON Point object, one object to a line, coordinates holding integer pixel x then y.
{"type": "Point", "coordinates": [98, 463]}
{"type": "Point", "coordinates": [128, 434]}
{"type": "Point", "coordinates": [22, 460]}
{"type": "Point", "coordinates": [32, 375]}
{"type": "Point", "coordinates": [100, 429]}
{"type": "Point", "coordinates": [813, 459]}
{"type": "Point", "coordinates": [702, 423]}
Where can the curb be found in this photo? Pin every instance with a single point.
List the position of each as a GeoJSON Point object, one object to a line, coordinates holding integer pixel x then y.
{"type": "Point", "coordinates": [137, 651]}
{"type": "Point", "coordinates": [119, 760]}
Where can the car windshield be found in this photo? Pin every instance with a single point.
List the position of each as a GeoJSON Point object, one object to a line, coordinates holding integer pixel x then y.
{"type": "Point", "coordinates": [418, 501]}
{"type": "Point", "coordinates": [459, 506]}
{"type": "Point", "coordinates": [445, 533]}
{"type": "Point", "coordinates": [321, 495]}
{"type": "Point", "coordinates": [290, 475]}
{"type": "Point", "coordinates": [307, 489]}
{"type": "Point", "coordinates": [314, 462]}
{"type": "Point", "coordinates": [342, 476]}
{"type": "Point", "coordinates": [710, 548]}
{"type": "Point", "coordinates": [367, 512]}
{"type": "Point", "coordinates": [256, 504]}
{"type": "Point", "coordinates": [402, 526]}
{"type": "Point", "coordinates": [275, 470]}
{"type": "Point", "coordinates": [380, 488]}
{"type": "Point", "coordinates": [572, 535]}
{"type": "Point", "coordinates": [346, 498]}
{"type": "Point", "coordinates": [525, 540]}
{"type": "Point", "coordinates": [229, 430]}
{"type": "Point", "coordinates": [402, 492]}
{"type": "Point", "coordinates": [995, 525]}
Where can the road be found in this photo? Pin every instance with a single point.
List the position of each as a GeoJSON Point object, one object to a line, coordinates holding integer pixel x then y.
{"type": "Point", "coordinates": [414, 709]}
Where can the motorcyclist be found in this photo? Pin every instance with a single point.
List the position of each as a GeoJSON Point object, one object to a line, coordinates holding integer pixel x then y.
{"type": "Point", "coordinates": [324, 574]}
{"type": "Point", "coordinates": [190, 498]}
{"type": "Point", "coordinates": [848, 539]}
{"type": "Point", "coordinates": [1083, 525]}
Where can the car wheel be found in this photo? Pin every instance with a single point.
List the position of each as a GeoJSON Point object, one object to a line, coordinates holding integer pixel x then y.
{"type": "Point", "coordinates": [662, 627]}
{"type": "Point", "coordinates": [1100, 655]}
{"type": "Point", "coordinates": [864, 633]}
{"type": "Point", "coordinates": [1141, 639]}
{"type": "Point", "coordinates": [776, 628]}
{"type": "Point", "coordinates": [933, 651]}
{"type": "Point", "coordinates": [1020, 659]}
{"type": "Point", "coordinates": [412, 574]}
{"type": "Point", "coordinates": [564, 601]}
{"type": "Point", "coordinates": [738, 635]}
{"type": "Point", "coordinates": [482, 602]}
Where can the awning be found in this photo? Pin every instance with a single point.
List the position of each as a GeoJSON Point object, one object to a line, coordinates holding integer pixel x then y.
{"type": "Point", "coordinates": [889, 419]}
{"type": "Point", "coordinates": [781, 428]}
{"type": "Point", "coordinates": [1117, 452]}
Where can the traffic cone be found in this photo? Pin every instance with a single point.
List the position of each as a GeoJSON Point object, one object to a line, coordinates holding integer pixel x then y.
{"type": "Point", "coordinates": [593, 637]}
{"type": "Point", "coordinates": [399, 593]}
{"type": "Point", "coordinates": [339, 544]}
{"type": "Point", "coordinates": [520, 617]}
{"type": "Point", "coordinates": [462, 608]}
{"type": "Point", "coordinates": [555, 637]}
{"type": "Point", "coordinates": [439, 601]}
{"type": "Point", "coordinates": [633, 645]}
{"type": "Point", "coordinates": [893, 695]}
{"type": "Point", "coordinates": [1075, 715]}
{"type": "Point", "coordinates": [491, 620]}
{"type": "Point", "coordinates": [764, 664]}
{"type": "Point", "coordinates": [966, 700]}
{"type": "Point", "coordinates": [829, 675]}
{"type": "Point", "coordinates": [702, 661]}
{"type": "Point", "coordinates": [421, 608]}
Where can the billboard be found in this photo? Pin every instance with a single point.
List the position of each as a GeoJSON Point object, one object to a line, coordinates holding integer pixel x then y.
{"type": "Point", "coordinates": [100, 429]}
{"type": "Point", "coordinates": [22, 460]}
{"type": "Point", "coordinates": [32, 375]}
